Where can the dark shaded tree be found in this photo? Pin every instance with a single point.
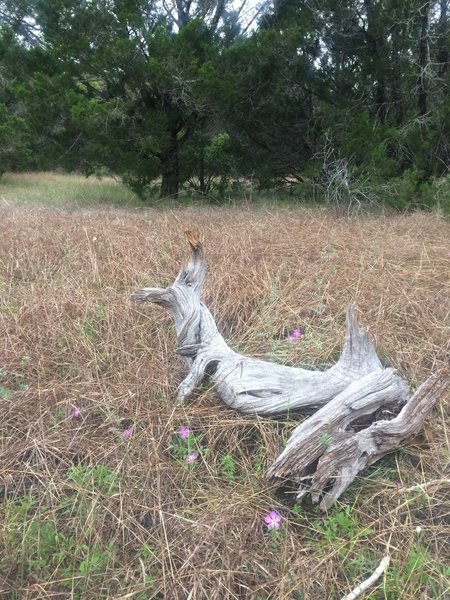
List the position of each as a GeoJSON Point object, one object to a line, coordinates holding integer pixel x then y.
{"type": "Point", "coordinates": [185, 92]}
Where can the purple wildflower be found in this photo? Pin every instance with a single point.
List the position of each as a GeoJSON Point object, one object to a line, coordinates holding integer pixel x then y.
{"type": "Point", "coordinates": [398, 485]}
{"type": "Point", "coordinates": [191, 457]}
{"type": "Point", "coordinates": [184, 432]}
{"type": "Point", "coordinates": [75, 413]}
{"type": "Point", "coordinates": [273, 520]}
{"type": "Point", "coordinates": [295, 335]}
{"type": "Point", "coordinates": [127, 433]}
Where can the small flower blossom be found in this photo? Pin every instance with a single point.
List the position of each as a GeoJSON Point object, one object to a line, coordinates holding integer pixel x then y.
{"type": "Point", "coordinates": [191, 457]}
{"type": "Point", "coordinates": [127, 433]}
{"type": "Point", "coordinates": [75, 413]}
{"type": "Point", "coordinates": [273, 520]}
{"type": "Point", "coordinates": [418, 529]}
{"type": "Point", "coordinates": [184, 432]}
{"type": "Point", "coordinates": [295, 335]}
{"type": "Point", "coordinates": [398, 485]}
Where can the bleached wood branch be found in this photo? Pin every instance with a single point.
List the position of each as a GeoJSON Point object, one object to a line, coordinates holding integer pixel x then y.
{"type": "Point", "coordinates": [248, 384]}
{"type": "Point", "coordinates": [421, 487]}
{"type": "Point", "coordinates": [326, 452]}
{"type": "Point", "coordinates": [351, 452]}
{"type": "Point", "coordinates": [362, 587]}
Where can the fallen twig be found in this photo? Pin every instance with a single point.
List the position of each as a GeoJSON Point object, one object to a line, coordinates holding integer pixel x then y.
{"type": "Point", "coordinates": [362, 587]}
{"type": "Point", "coordinates": [421, 487]}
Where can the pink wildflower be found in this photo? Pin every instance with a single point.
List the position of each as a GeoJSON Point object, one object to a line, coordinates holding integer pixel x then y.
{"type": "Point", "coordinates": [295, 335]}
{"type": "Point", "coordinates": [273, 520]}
{"type": "Point", "coordinates": [184, 432]}
{"type": "Point", "coordinates": [191, 457]}
{"type": "Point", "coordinates": [75, 413]}
{"type": "Point", "coordinates": [127, 433]}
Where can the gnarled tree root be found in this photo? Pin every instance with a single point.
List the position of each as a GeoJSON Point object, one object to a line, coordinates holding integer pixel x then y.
{"type": "Point", "coordinates": [324, 452]}
{"type": "Point", "coordinates": [325, 464]}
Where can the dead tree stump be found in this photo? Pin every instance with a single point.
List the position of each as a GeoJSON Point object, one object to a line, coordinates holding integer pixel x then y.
{"type": "Point", "coordinates": [327, 451]}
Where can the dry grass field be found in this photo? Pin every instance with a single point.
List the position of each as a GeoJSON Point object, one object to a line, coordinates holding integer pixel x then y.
{"type": "Point", "coordinates": [97, 498]}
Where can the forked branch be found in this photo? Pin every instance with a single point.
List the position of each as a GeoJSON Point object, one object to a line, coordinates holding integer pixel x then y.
{"type": "Point", "coordinates": [326, 452]}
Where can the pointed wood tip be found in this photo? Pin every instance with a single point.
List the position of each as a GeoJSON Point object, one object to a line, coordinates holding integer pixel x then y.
{"type": "Point", "coordinates": [193, 240]}
{"type": "Point", "coordinates": [351, 318]}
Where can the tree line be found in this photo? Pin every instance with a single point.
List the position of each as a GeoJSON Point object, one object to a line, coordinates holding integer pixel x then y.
{"type": "Point", "coordinates": [327, 100]}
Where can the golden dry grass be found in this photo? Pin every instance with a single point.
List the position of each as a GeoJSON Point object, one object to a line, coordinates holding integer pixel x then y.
{"type": "Point", "coordinates": [147, 525]}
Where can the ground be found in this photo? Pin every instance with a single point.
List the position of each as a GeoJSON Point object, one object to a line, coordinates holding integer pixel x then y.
{"type": "Point", "coordinates": [98, 500]}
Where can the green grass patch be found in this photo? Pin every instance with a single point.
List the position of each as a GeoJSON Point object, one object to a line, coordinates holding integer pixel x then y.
{"type": "Point", "coordinates": [56, 189]}
{"type": "Point", "coordinates": [45, 544]}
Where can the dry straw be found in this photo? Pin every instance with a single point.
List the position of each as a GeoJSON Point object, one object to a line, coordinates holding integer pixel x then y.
{"type": "Point", "coordinates": [131, 520]}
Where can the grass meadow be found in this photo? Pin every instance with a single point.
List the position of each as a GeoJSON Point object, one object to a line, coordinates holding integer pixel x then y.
{"type": "Point", "coordinates": [97, 499]}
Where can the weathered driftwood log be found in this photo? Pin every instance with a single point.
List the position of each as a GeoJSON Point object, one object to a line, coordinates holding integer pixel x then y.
{"type": "Point", "coordinates": [324, 454]}
{"type": "Point", "coordinates": [248, 384]}
{"type": "Point", "coordinates": [356, 386]}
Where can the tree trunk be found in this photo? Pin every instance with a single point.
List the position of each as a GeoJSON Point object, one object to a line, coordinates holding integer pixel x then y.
{"type": "Point", "coordinates": [344, 436]}
{"type": "Point", "coordinates": [201, 173]}
{"type": "Point", "coordinates": [443, 43]}
{"type": "Point", "coordinates": [170, 181]}
{"type": "Point", "coordinates": [423, 61]}
{"type": "Point", "coordinates": [375, 42]}
{"type": "Point", "coordinates": [396, 82]}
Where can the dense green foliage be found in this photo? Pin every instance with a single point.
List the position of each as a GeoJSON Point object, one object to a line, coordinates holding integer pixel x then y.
{"type": "Point", "coordinates": [342, 102]}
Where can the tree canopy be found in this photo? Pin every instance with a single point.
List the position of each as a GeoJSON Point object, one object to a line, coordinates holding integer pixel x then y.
{"type": "Point", "coordinates": [342, 101]}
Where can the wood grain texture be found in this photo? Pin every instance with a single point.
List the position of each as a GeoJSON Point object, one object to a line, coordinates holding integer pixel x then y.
{"type": "Point", "coordinates": [327, 451]}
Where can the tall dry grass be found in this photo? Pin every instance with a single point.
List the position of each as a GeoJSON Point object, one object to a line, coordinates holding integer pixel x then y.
{"type": "Point", "coordinates": [149, 526]}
